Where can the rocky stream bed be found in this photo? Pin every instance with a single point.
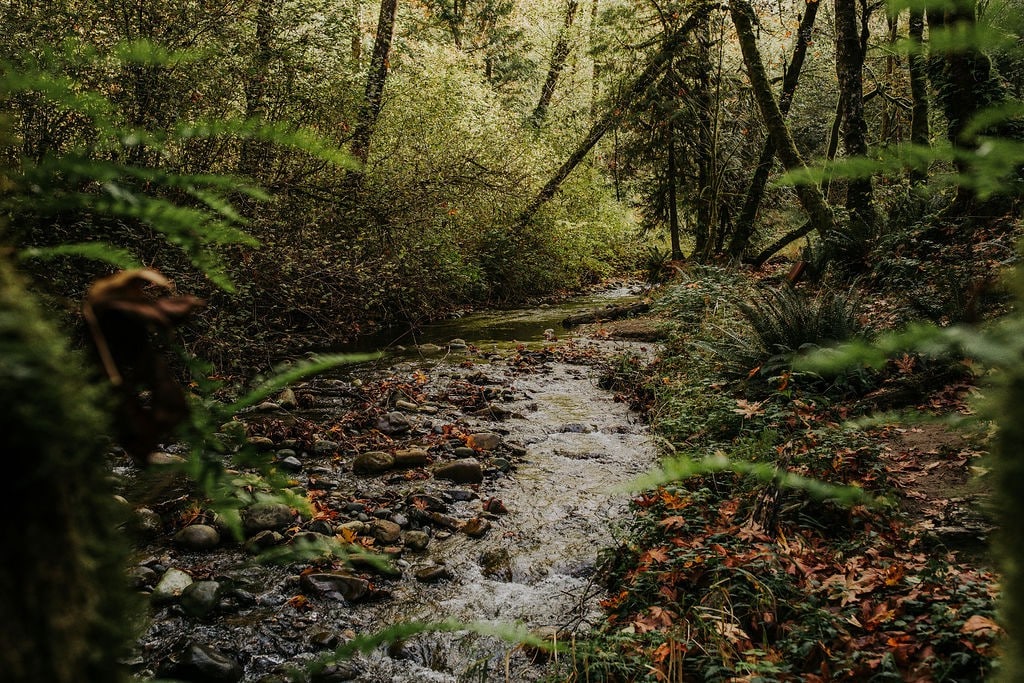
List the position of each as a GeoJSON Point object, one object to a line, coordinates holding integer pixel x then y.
{"type": "Point", "coordinates": [483, 468]}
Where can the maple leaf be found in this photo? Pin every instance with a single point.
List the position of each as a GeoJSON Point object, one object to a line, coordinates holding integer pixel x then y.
{"type": "Point", "coordinates": [748, 409]}
{"type": "Point", "coordinates": [348, 535]}
{"type": "Point", "coordinates": [673, 523]}
{"type": "Point", "coordinates": [655, 555]}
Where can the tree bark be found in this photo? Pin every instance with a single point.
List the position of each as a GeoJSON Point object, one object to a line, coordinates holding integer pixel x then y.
{"type": "Point", "coordinates": [558, 58]}
{"type": "Point", "coordinates": [820, 213]}
{"type": "Point", "coordinates": [919, 130]}
{"type": "Point", "coordinates": [372, 100]}
{"type": "Point", "coordinates": [608, 121]}
{"type": "Point", "coordinates": [755, 193]}
{"type": "Point", "coordinates": [673, 209]}
{"type": "Point", "coordinates": [256, 89]}
{"type": "Point", "coordinates": [850, 51]}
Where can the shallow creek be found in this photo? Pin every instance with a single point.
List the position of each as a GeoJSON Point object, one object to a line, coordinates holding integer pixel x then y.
{"type": "Point", "coordinates": [573, 446]}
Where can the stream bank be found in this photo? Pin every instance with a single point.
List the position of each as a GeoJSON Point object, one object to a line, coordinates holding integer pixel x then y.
{"type": "Point", "coordinates": [482, 468]}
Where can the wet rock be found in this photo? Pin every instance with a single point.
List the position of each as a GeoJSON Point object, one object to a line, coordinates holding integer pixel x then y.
{"type": "Point", "coordinates": [325, 640]}
{"type": "Point", "coordinates": [336, 585]}
{"type": "Point", "coordinates": [385, 531]}
{"type": "Point", "coordinates": [501, 464]}
{"type": "Point", "coordinates": [416, 540]}
{"type": "Point", "coordinates": [161, 459]}
{"type": "Point", "coordinates": [429, 348]}
{"type": "Point", "coordinates": [202, 664]}
{"type": "Point", "coordinates": [260, 443]}
{"type": "Point", "coordinates": [428, 410]}
{"type": "Point", "coordinates": [411, 457]}
{"type": "Point", "coordinates": [142, 577]}
{"type": "Point", "coordinates": [576, 428]}
{"type": "Point", "coordinates": [325, 447]}
{"type": "Point", "coordinates": [495, 506]}
{"type": "Point", "coordinates": [441, 520]}
{"type": "Point", "coordinates": [355, 526]}
{"type": "Point", "coordinates": [309, 537]}
{"type": "Point", "coordinates": [433, 574]}
{"type": "Point", "coordinates": [464, 471]}
{"type": "Point", "coordinates": [200, 598]}
{"type": "Point", "coordinates": [382, 513]}
{"type": "Point", "coordinates": [146, 522]}
{"type": "Point", "coordinates": [423, 501]}
{"type": "Point", "coordinates": [393, 423]}
{"type": "Point", "coordinates": [263, 540]}
{"type": "Point", "coordinates": [337, 672]}
{"type": "Point", "coordinates": [457, 344]}
{"type": "Point", "coordinates": [464, 452]}
{"type": "Point", "coordinates": [494, 412]}
{"type": "Point", "coordinates": [321, 526]}
{"type": "Point", "coordinates": [399, 519]}
{"type": "Point", "coordinates": [290, 464]}
{"type": "Point", "coordinates": [516, 449]}
{"type": "Point", "coordinates": [266, 516]}
{"type": "Point", "coordinates": [171, 584]}
{"type": "Point", "coordinates": [267, 407]}
{"type": "Point", "coordinates": [476, 527]}
{"type": "Point", "coordinates": [197, 537]}
{"type": "Point", "coordinates": [461, 495]}
{"type": "Point", "coordinates": [485, 441]}
{"type": "Point", "coordinates": [496, 563]}
{"type": "Point", "coordinates": [286, 399]}
{"type": "Point", "coordinates": [373, 462]}
{"type": "Point", "coordinates": [405, 405]}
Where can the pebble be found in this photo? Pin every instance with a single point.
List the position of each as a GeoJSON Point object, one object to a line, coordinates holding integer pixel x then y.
{"type": "Point", "coordinates": [476, 527]}
{"type": "Point", "coordinates": [406, 405]}
{"type": "Point", "coordinates": [464, 452]}
{"type": "Point", "coordinates": [286, 399]}
{"type": "Point", "coordinates": [385, 531]}
{"type": "Point", "coordinates": [290, 464]}
{"type": "Point", "coordinates": [147, 522]}
{"type": "Point", "coordinates": [485, 441]}
{"type": "Point", "coordinates": [416, 540]}
{"type": "Point", "coordinates": [263, 540]}
{"type": "Point", "coordinates": [200, 598]}
{"type": "Point", "coordinates": [336, 585]}
{"type": "Point", "coordinates": [394, 423]}
{"type": "Point", "coordinates": [325, 447]}
{"type": "Point", "coordinates": [171, 584]}
{"type": "Point", "coordinates": [267, 407]}
{"type": "Point", "coordinates": [205, 664]}
{"type": "Point", "coordinates": [260, 443]}
{"type": "Point", "coordinates": [411, 457]}
{"type": "Point", "coordinates": [373, 462]}
{"type": "Point", "coordinates": [433, 574]}
{"type": "Point", "coordinates": [261, 516]}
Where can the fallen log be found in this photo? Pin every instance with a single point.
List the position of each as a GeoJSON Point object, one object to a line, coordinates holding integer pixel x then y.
{"type": "Point", "coordinates": [607, 313]}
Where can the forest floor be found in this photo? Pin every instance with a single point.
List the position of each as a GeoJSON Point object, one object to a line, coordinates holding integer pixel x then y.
{"type": "Point", "coordinates": [725, 574]}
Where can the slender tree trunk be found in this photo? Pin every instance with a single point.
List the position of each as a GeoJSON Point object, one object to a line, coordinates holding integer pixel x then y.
{"type": "Point", "coordinates": [820, 213]}
{"type": "Point", "coordinates": [357, 32]}
{"type": "Point", "coordinates": [595, 74]}
{"type": "Point", "coordinates": [850, 50]}
{"type": "Point", "coordinates": [558, 58]}
{"type": "Point", "coordinates": [372, 101]}
{"type": "Point", "coordinates": [919, 131]}
{"type": "Point", "coordinates": [610, 118]}
{"type": "Point", "coordinates": [673, 208]}
{"type": "Point", "coordinates": [256, 89]}
{"type": "Point", "coordinates": [755, 193]}
{"type": "Point", "coordinates": [705, 147]}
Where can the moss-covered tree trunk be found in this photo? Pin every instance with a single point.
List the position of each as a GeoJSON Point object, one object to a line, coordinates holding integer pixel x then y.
{"type": "Point", "coordinates": [755, 192]}
{"type": "Point", "coordinates": [559, 56]}
{"type": "Point", "coordinates": [920, 133]}
{"type": "Point", "coordinates": [64, 605]}
{"type": "Point", "coordinates": [851, 45]}
{"type": "Point", "coordinates": [820, 213]}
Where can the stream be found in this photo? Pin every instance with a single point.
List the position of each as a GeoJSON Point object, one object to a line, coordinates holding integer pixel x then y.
{"type": "Point", "coordinates": [546, 501]}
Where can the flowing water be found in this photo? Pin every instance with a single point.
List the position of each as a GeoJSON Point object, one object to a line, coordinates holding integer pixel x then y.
{"type": "Point", "coordinates": [536, 565]}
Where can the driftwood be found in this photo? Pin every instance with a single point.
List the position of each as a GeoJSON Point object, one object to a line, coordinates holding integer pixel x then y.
{"type": "Point", "coordinates": [607, 313]}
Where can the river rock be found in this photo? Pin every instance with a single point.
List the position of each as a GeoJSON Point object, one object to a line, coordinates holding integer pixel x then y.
{"type": "Point", "coordinates": [336, 585]}
{"type": "Point", "coordinates": [411, 457]}
{"type": "Point", "coordinates": [385, 530]}
{"type": "Point", "coordinates": [202, 664]}
{"type": "Point", "coordinates": [355, 526]}
{"type": "Point", "coordinates": [433, 574]}
{"type": "Point", "coordinates": [171, 584]}
{"type": "Point", "coordinates": [286, 399]}
{"type": "Point", "coordinates": [200, 597]}
{"type": "Point", "coordinates": [373, 462]}
{"type": "Point", "coordinates": [429, 348]}
{"type": "Point", "coordinates": [502, 464]}
{"type": "Point", "coordinates": [290, 464]}
{"type": "Point", "coordinates": [425, 501]}
{"type": "Point", "coordinates": [476, 527]}
{"type": "Point", "coordinates": [496, 563]}
{"type": "Point", "coordinates": [495, 506]}
{"type": "Point", "coordinates": [393, 423]}
{"type": "Point", "coordinates": [267, 407]}
{"type": "Point", "coordinates": [464, 452]}
{"type": "Point", "coordinates": [325, 447]}
{"type": "Point", "coordinates": [146, 522]}
{"type": "Point", "coordinates": [160, 459]}
{"type": "Point", "coordinates": [337, 672]}
{"type": "Point", "coordinates": [457, 344]}
{"type": "Point", "coordinates": [142, 577]}
{"type": "Point", "coordinates": [260, 443]}
{"type": "Point", "coordinates": [416, 540]}
{"type": "Point", "coordinates": [485, 441]}
{"type": "Point", "coordinates": [269, 516]}
{"type": "Point", "coordinates": [197, 537]}
{"type": "Point", "coordinates": [406, 405]}
{"type": "Point", "coordinates": [464, 471]}
{"type": "Point", "coordinates": [263, 540]}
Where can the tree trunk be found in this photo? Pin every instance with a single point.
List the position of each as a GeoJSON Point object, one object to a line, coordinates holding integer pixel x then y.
{"type": "Point", "coordinates": [850, 50]}
{"type": "Point", "coordinates": [707, 197]}
{"type": "Point", "coordinates": [919, 131]}
{"type": "Point", "coordinates": [250, 162]}
{"type": "Point", "coordinates": [755, 193]}
{"type": "Point", "coordinates": [558, 58]}
{"type": "Point", "coordinates": [357, 33]}
{"type": "Point", "coordinates": [673, 209]}
{"type": "Point", "coordinates": [654, 67]}
{"type": "Point", "coordinates": [820, 213]}
{"type": "Point", "coordinates": [372, 101]}
{"type": "Point", "coordinates": [595, 74]}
